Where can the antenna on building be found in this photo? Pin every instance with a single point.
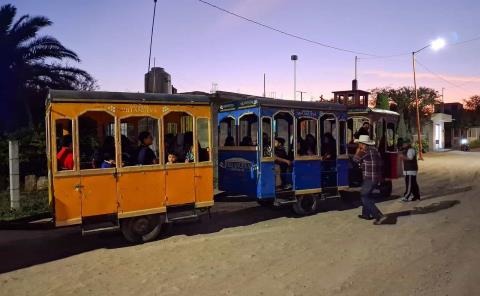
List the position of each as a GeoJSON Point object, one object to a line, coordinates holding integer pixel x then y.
{"type": "Point", "coordinates": [214, 87]}
{"type": "Point", "coordinates": [151, 34]}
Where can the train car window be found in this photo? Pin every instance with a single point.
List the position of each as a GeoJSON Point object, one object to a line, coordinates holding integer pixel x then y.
{"type": "Point", "coordinates": [342, 138]}
{"type": "Point", "coordinates": [391, 137]}
{"type": "Point", "coordinates": [96, 134]}
{"type": "Point", "coordinates": [64, 143]}
{"type": "Point", "coordinates": [178, 137]}
{"type": "Point", "coordinates": [227, 132]}
{"type": "Point", "coordinates": [139, 141]}
{"type": "Point", "coordinates": [203, 135]}
{"type": "Point", "coordinates": [328, 136]}
{"type": "Point", "coordinates": [306, 137]}
{"type": "Point", "coordinates": [248, 126]}
{"type": "Point", "coordinates": [284, 133]}
{"type": "Point", "coordinates": [267, 150]}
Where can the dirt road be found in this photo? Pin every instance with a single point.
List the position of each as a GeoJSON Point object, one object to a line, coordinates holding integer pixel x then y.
{"type": "Point", "coordinates": [248, 250]}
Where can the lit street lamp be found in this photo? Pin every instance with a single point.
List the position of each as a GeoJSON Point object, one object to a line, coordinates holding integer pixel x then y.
{"type": "Point", "coordinates": [436, 45]}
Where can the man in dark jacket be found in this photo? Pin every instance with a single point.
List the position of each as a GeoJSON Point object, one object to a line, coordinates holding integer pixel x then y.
{"type": "Point", "coordinates": [410, 171]}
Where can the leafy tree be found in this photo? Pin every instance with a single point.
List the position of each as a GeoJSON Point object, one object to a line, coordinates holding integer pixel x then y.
{"type": "Point", "coordinates": [382, 102]}
{"type": "Point", "coordinates": [473, 103]}
{"type": "Point", "coordinates": [29, 64]}
{"type": "Point", "coordinates": [402, 100]}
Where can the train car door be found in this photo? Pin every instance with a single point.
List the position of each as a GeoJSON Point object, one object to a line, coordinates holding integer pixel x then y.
{"type": "Point", "coordinates": [179, 175]}
{"type": "Point", "coordinates": [307, 160]}
{"type": "Point", "coordinates": [98, 180]}
{"type": "Point", "coordinates": [204, 164]}
{"type": "Point", "coordinates": [266, 184]}
{"type": "Point", "coordinates": [329, 150]}
{"type": "Point", "coordinates": [284, 150]}
{"type": "Point", "coordinates": [66, 193]}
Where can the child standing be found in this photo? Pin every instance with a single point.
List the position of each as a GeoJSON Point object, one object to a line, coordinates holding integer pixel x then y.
{"type": "Point", "coordinates": [410, 171]}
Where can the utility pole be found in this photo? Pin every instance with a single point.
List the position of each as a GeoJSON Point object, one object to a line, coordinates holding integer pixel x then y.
{"type": "Point", "coordinates": [301, 94]}
{"type": "Point", "coordinates": [443, 101]}
{"type": "Point", "coordinates": [151, 35]}
{"type": "Point", "coordinates": [264, 93]}
{"type": "Point", "coordinates": [294, 58]}
{"type": "Point", "coordinates": [356, 59]}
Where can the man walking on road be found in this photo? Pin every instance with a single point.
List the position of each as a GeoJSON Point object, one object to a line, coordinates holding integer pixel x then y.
{"type": "Point", "coordinates": [369, 159]}
{"type": "Point", "coordinates": [410, 171]}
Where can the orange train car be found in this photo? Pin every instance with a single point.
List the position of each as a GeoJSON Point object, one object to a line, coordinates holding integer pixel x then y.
{"type": "Point", "coordinates": [128, 161]}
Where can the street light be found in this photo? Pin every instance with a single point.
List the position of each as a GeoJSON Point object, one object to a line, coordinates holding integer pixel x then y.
{"type": "Point", "coordinates": [294, 58]}
{"type": "Point", "coordinates": [436, 45]}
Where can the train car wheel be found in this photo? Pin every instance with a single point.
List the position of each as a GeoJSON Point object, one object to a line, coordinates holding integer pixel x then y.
{"type": "Point", "coordinates": [305, 205]}
{"type": "Point", "coordinates": [142, 228]}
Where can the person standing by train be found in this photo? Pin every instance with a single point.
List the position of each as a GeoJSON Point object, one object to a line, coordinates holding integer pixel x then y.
{"type": "Point", "coordinates": [410, 171]}
{"type": "Point", "coordinates": [369, 159]}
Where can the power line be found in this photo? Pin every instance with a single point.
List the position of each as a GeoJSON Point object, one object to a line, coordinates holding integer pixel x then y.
{"type": "Point", "coordinates": [442, 78]}
{"type": "Point", "coordinates": [466, 41]}
{"type": "Point", "coordinates": [284, 32]}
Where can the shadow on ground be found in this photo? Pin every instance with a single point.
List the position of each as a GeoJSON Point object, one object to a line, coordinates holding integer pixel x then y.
{"type": "Point", "coordinates": [431, 208]}
{"type": "Point", "coordinates": [24, 248]}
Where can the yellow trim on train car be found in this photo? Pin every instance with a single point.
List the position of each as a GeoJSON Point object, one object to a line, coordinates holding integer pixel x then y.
{"type": "Point", "coordinates": [308, 191]}
{"type": "Point", "coordinates": [204, 204]}
{"type": "Point", "coordinates": [142, 212]}
{"type": "Point", "coordinates": [68, 222]}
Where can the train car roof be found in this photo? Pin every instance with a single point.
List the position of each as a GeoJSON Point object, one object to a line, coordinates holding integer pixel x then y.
{"type": "Point", "coordinates": [373, 110]}
{"type": "Point", "coordinates": [229, 98]}
{"type": "Point", "coordinates": [72, 96]}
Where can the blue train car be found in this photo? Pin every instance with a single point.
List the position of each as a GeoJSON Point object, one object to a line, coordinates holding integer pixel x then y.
{"type": "Point", "coordinates": [280, 151]}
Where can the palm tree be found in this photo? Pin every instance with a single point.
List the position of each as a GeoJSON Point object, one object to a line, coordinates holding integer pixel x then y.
{"type": "Point", "coordinates": [30, 63]}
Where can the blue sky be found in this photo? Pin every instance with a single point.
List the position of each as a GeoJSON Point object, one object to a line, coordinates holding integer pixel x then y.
{"type": "Point", "coordinates": [199, 45]}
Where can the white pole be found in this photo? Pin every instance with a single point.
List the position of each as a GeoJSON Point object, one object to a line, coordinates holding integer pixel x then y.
{"type": "Point", "coordinates": [14, 175]}
{"type": "Point", "coordinates": [295, 80]}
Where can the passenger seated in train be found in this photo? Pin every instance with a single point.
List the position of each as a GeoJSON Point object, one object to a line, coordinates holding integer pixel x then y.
{"type": "Point", "coordinates": [108, 161]}
{"type": "Point", "coordinates": [188, 147]}
{"type": "Point", "coordinates": [282, 163]}
{"type": "Point", "coordinates": [246, 141]}
{"type": "Point", "coordinates": [329, 147]}
{"type": "Point", "coordinates": [146, 156]}
{"type": "Point", "coordinates": [267, 146]}
{"type": "Point", "coordinates": [65, 155]}
{"type": "Point", "coordinates": [171, 158]}
{"type": "Point", "coordinates": [229, 141]}
{"type": "Point", "coordinates": [128, 152]}
{"type": "Point", "coordinates": [363, 131]}
{"type": "Point", "coordinates": [108, 148]}
{"type": "Point", "coordinates": [308, 146]}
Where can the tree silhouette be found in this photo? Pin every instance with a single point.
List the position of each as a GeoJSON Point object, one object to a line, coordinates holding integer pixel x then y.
{"type": "Point", "coordinates": [29, 64]}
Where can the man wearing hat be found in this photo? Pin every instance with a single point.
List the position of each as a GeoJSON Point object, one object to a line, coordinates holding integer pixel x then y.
{"type": "Point", "coordinates": [369, 159]}
{"type": "Point", "coordinates": [410, 170]}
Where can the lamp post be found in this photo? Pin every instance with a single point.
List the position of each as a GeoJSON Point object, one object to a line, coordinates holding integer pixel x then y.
{"type": "Point", "coordinates": [294, 58]}
{"type": "Point", "coordinates": [436, 45]}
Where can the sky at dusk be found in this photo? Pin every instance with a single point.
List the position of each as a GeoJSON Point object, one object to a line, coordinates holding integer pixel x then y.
{"type": "Point", "coordinates": [199, 45]}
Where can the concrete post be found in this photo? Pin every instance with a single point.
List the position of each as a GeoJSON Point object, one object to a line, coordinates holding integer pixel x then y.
{"type": "Point", "coordinates": [14, 174]}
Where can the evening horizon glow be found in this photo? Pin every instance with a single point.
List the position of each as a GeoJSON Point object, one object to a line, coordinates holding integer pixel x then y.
{"type": "Point", "coordinates": [199, 45]}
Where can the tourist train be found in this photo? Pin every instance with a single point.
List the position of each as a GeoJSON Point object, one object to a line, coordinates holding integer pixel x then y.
{"type": "Point", "coordinates": [136, 161]}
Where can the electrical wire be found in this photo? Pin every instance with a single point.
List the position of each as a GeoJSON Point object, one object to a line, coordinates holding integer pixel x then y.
{"type": "Point", "coordinates": [442, 78]}
{"type": "Point", "coordinates": [286, 33]}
